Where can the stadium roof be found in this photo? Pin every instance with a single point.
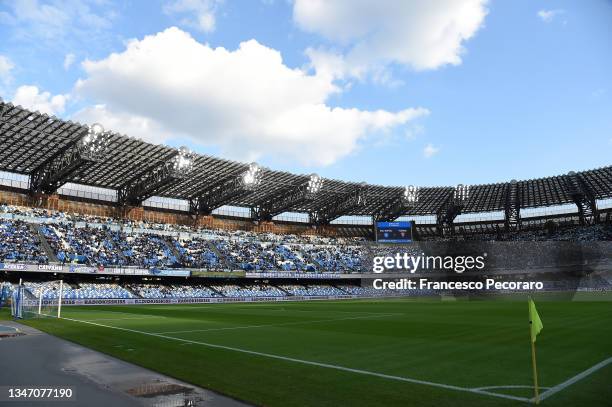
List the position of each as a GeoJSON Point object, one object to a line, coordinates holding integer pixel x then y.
{"type": "Point", "coordinates": [30, 140]}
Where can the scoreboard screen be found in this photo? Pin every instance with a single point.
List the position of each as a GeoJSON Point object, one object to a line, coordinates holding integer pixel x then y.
{"type": "Point", "coordinates": [394, 232]}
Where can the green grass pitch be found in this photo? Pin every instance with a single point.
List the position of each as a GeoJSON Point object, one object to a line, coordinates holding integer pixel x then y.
{"type": "Point", "coordinates": [362, 352]}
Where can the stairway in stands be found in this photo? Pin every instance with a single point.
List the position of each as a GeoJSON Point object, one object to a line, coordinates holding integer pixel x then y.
{"type": "Point", "coordinates": [43, 243]}
{"type": "Point", "coordinates": [225, 262]}
{"type": "Point", "coordinates": [215, 290]}
{"type": "Point", "coordinates": [169, 241]}
{"type": "Point", "coordinates": [287, 293]}
{"type": "Point", "coordinates": [127, 288]}
{"type": "Point", "coordinates": [109, 237]}
{"type": "Point", "coordinates": [344, 291]}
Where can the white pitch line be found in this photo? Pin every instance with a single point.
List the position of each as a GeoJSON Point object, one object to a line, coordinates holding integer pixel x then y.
{"type": "Point", "coordinates": [513, 386]}
{"type": "Point", "coordinates": [572, 380]}
{"type": "Point", "coordinates": [104, 312]}
{"type": "Point", "coordinates": [274, 325]}
{"type": "Point", "coordinates": [124, 319]}
{"type": "Point", "coordinates": [311, 363]}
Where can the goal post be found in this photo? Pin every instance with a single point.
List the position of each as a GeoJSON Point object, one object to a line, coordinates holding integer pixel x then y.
{"type": "Point", "coordinates": [59, 304]}
{"type": "Point", "coordinates": [16, 302]}
{"type": "Point", "coordinates": [38, 300]}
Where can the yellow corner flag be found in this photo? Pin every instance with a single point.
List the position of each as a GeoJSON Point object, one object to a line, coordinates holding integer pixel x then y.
{"type": "Point", "coordinates": [535, 326]}
{"type": "Point", "coordinates": [535, 322]}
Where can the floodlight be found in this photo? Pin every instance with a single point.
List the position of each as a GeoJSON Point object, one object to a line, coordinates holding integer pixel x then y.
{"type": "Point", "coordinates": [252, 176]}
{"type": "Point", "coordinates": [462, 192]}
{"type": "Point", "coordinates": [96, 128]}
{"type": "Point", "coordinates": [315, 183]}
{"type": "Point", "coordinates": [95, 142]}
{"type": "Point", "coordinates": [410, 194]}
{"type": "Point", "coordinates": [182, 163]}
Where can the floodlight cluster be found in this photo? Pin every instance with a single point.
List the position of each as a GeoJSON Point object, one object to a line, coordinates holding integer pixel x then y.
{"type": "Point", "coordinates": [95, 141]}
{"type": "Point", "coordinates": [315, 183]}
{"type": "Point", "coordinates": [253, 176]}
{"type": "Point", "coordinates": [411, 194]}
{"type": "Point", "coordinates": [183, 162]}
{"type": "Point", "coordinates": [462, 192]}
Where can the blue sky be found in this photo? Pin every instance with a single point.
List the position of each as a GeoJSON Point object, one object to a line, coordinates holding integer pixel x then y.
{"type": "Point", "coordinates": [465, 91]}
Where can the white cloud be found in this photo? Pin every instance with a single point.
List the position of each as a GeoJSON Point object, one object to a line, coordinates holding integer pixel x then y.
{"type": "Point", "coordinates": [414, 131]}
{"type": "Point", "coordinates": [6, 66]}
{"type": "Point", "coordinates": [68, 61]}
{"type": "Point", "coordinates": [198, 14]}
{"type": "Point", "coordinates": [419, 34]}
{"type": "Point", "coordinates": [31, 98]}
{"type": "Point", "coordinates": [246, 101]}
{"type": "Point", "coordinates": [429, 151]}
{"type": "Point", "coordinates": [52, 23]}
{"type": "Point", "coordinates": [549, 15]}
{"type": "Point", "coordinates": [125, 123]}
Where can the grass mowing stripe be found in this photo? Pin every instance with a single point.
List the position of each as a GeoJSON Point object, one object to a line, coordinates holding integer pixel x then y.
{"type": "Point", "coordinates": [283, 309]}
{"type": "Point", "coordinates": [574, 379]}
{"type": "Point", "coordinates": [273, 325]}
{"type": "Point", "coordinates": [311, 363]}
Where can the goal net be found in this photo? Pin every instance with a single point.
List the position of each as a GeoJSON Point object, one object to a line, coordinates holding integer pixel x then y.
{"type": "Point", "coordinates": [38, 299]}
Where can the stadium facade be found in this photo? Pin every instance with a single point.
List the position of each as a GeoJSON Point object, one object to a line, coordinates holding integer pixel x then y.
{"type": "Point", "coordinates": [52, 152]}
{"type": "Point", "coordinates": [117, 249]}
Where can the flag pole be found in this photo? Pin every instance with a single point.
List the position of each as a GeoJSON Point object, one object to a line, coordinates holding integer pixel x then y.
{"type": "Point", "coordinates": [535, 373]}
{"type": "Point", "coordinates": [533, 357]}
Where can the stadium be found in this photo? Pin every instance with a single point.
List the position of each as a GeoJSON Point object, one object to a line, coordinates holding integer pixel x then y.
{"type": "Point", "coordinates": [94, 253]}
{"type": "Point", "coordinates": [141, 269]}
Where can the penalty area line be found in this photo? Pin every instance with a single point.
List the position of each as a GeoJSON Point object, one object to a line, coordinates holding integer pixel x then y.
{"type": "Point", "coordinates": [311, 363]}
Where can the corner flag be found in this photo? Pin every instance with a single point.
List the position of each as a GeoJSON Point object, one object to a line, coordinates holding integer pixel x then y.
{"type": "Point", "coordinates": [534, 321]}
{"type": "Point", "coordinates": [535, 326]}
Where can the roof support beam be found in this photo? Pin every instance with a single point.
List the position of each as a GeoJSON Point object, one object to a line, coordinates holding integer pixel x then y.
{"type": "Point", "coordinates": [57, 170]}
{"type": "Point", "coordinates": [391, 210]}
{"type": "Point", "coordinates": [583, 197]}
{"type": "Point", "coordinates": [217, 197]}
{"type": "Point", "coordinates": [397, 205]}
{"type": "Point", "coordinates": [341, 205]}
{"type": "Point", "coordinates": [512, 208]}
{"type": "Point", "coordinates": [226, 190]}
{"type": "Point", "coordinates": [287, 198]}
{"type": "Point", "coordinates": [450, 209]}
{"type": "Point", "coordinates": [152, 182]}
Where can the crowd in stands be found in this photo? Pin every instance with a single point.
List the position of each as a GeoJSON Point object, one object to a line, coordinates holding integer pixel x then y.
{"type": "Point", "coordinates": [197, 253]}
{"type": "Point", "coordinates": [312, 290]}
{"type": "Point", "coordinates": [151, 290]}
{"type": "Point", "coordinates": [86, 245]}
{"type": "Point", "coordinates": [84, 239]}
{"type": "Point", "coordinates": [19, 243]}
{"type": "Point", "coordinates": [51, 290]}
{"type": "Point", "coordinates": [99, 241]}
{"type": "Point", "coordinates": [576, 234]}
{"type": "Point", "coordinates": [249, 290]}
{"type": "Point", "coordinates": [549, 231]}
{"type": "Point", "coordinates": [172, 291]}
{"type": "Point", "coordinates": [149, 250]}
{"type": "Point", "coordinates": [106, 290]}
{"type": "Point", "coordinates": [6, 289]}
